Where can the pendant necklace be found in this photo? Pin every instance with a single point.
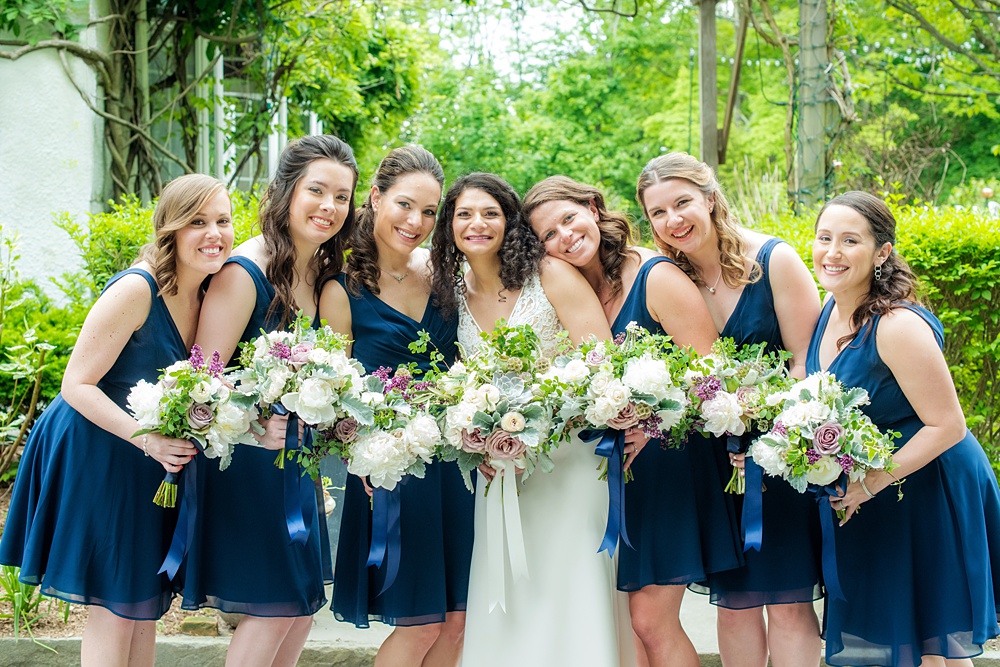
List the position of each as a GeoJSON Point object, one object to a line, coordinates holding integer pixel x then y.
{"type": "Point", "coordinates": [711, 290]}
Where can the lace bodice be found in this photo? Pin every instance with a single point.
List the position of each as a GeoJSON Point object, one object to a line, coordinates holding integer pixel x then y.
{"type": "Point", "coordinates": [532, 308]}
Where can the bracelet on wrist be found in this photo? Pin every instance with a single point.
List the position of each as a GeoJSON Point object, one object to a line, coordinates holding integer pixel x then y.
{"type": "Point", "coordinates": [865, 488]}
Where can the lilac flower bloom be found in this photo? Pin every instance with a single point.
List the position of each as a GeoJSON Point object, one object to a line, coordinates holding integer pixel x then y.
{"type": "Point", "coordinates": [281, 351]}
{"type": "Point", "coordinates": [812, 456]}
{"type": "Point", "coordinates": [383, 373]}
{"type": "Point", "coordinates": [706, 388]}
{"type": "Point", "coordinates": [216, 367]}
{"type": "Point", "coordinates": [846, 462]}
{"type": "Point", "coordinates": [196, 359]}
{"type": "Point", "coordinates": [779, 428]}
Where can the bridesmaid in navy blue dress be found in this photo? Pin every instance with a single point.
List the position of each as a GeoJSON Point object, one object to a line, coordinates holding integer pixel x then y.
{"type": "Point", "coordinates": [758, 290]}
{"type": "Point", "coordinates": [920, 573]}
{"type": "Point", "coordinates": [82, 523]}
{"type": "Point", "coordinates": [242, 559]}
{"type": "Point", "coordinates": [382, 302]}
{"type": "Point", "coordinates": [680, 523]}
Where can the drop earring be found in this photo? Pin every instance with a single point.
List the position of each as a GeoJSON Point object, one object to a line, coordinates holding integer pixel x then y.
{"type": "Point", "coordinates": [878, 272]}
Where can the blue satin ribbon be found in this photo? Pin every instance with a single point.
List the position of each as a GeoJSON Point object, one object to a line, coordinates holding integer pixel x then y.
{"type": "Point", "coordinates": [752, 520]}
{"type": "Point", "coordinates": [831, 579]}
{"type": "Point", "coordinates": [386, 544]}
{"type": "Point", "coordinates": [611, 447]}
{"type": "Point", "coordinates": [184, 529]}
{"type": "Point", "coordinates": [299, 494]}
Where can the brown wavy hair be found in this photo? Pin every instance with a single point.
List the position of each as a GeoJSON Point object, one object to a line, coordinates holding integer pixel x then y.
{"type": "Point", "coordinates": [617, 233]}
{"type": "Point", "coordinates": [362, 263]}
{"type": "Point", "coordinates": [898, 281]}
{"type": "Point", "coordinates": [732, 245]}
{"type": "Point", "coordinates": [273, 219]}
{"type": "Point", "coordinates": [520, 252]}
{"type": "Point", "coordinates": [178, 205]}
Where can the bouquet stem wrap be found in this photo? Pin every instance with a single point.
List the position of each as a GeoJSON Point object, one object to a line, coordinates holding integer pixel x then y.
{"type": "Point", "coordinates": [386, 536]}
{"type": "Point", "coordinates": [184, 530]}
{"type": "Point", "coordinates": [299, 494]}
{"type": "Point", "coordinates": [503, 519]}
{"type": "Point", "coordinates": [753, 498]}
{"type": "Point", "coordinates": [612, 447]}
{"type": "Point", "coordinates": [831, 579]}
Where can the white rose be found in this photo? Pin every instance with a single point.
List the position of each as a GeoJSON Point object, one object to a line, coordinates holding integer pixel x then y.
{"type": "Point", "coordinates": [313, 402]}
{"type": "Point", "coordinates": [486, 397]}
{"type": "Point", "coordinates": [599, 383]}
{"type": "Point", "coordinates": [202, 392]}
{"type": "Point", "coordinates": [458, 418]}
{"type": "Point", "coordinates": [722, 415]}
{"type": "Point", "coordinates": [617, 394]}
{"type": "Point", "coordinates": [144, 404]}
{"type": "Point", "coordinates": [823, 472]}
{"type": "Point", "coordinates": [512, 422]}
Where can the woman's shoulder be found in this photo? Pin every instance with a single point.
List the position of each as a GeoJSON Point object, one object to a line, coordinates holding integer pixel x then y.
{"type": "Point", "coordinates": [254, 250]}
{"type": "Point", "coordinates": [908, 329]}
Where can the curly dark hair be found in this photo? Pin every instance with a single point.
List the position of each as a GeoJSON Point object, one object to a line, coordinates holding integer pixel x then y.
{"type": "Point", "coordinates": [898, 283]}
{"type": "Point", "coordinates": [732, 246]}
{"type": "Point", "coordinates": [362, 263]}
{"type": "Point", "coordinates": [617, 233]}
{"type": "Point", "coordinates": [273, 219]}
{"type": "Point", "coordinates": [520, 252]}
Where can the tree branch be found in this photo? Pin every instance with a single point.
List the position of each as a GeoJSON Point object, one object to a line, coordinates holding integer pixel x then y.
{"type": "Point", "coordinates": [613, 9]}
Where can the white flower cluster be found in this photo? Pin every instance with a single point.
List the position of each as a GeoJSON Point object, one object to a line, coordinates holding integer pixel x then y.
{"type": "Point", "coordinates": [385, 456]}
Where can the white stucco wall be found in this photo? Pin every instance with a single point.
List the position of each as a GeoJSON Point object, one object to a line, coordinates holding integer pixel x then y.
{"type": "Point", "coordinates": [51, 159]}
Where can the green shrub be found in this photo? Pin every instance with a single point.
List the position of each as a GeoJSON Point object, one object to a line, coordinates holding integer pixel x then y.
{"type": "Point", "coordinates": [956, 254]}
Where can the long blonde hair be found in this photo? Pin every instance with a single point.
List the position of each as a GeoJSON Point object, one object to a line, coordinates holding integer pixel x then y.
{"type": "Point", "coordinates": [732, 245]}
{"type": "Point", "coordinates": [179, 203]}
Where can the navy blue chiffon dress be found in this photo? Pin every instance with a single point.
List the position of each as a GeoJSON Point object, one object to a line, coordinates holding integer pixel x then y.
{"type": "Point", "coordinates": [919, 574]}
{"type": "Point", "coordinates": [242, 559]}
{"type": "Point", "coordinates": [787, 567]}
{"type": "Point", "coordinates": [436, 516]}
{"type": "Point", "coordinates": [681, 524]}
{"type": "Point", "coordinates": [82, 523]}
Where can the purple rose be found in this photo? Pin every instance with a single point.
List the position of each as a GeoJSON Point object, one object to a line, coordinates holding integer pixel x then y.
{"type": "Point", "coordinates": [346, 430]}
{"type": "Point", "coordinates": [199, 416]}
{"type": "Point", "coordinates": [627, 418]}
{"type": "Point", "coordinates": [826, 439]}
{"type": "Point", "coordinates": [473, 441]}
{"type": "Point", "coordinates": [503, 446]}
{"type": "Point", "coordinates": [300, 353]}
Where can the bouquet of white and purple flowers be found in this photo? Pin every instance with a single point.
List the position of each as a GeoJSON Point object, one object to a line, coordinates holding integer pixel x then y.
{"type": "Point", "coordinates": [729, 391]}
{"type": "Point", "coordinates": [631, 381]}
{"type": "Point", "coordinates": [304, 372]}
{"type": "Point", "coordinates": [193, 401]}
{"type": "Point", "coordinates": [819, 441]}
{"type": "Point", "coordinates": [821, 435]}
{"type": "Point", "coordinates": [634, 381]}
{"type": "Point", "coordinates": [391, 437]}
{"type": "Point", "coordinates": [493, 407]}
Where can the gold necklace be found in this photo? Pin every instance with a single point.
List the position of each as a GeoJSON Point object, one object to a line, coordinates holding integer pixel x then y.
{"type": "Point", "coordinates": [398, 279]}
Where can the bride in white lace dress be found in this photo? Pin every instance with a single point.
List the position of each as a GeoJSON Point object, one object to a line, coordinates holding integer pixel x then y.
{"type": "Point", "coordinates": [567, 611]}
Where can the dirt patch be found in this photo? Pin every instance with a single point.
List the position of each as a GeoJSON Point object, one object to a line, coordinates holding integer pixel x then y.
{"type": "Point", "coordinates": [58, 619]}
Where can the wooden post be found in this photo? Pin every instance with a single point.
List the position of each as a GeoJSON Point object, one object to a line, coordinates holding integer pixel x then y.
{"type": "Point", "coordinates": [708, 86]}
{"type": "Point", "coordinates": [814, 103]}
{"type": "Point", "coordinates": [734, 86]}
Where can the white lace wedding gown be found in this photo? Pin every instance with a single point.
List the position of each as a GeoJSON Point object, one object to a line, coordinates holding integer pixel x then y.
{"type": "Point", "coordinates": [568, 611]}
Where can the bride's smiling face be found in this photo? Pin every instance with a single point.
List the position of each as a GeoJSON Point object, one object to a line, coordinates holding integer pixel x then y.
{"type": "Point", "coordinates": [478, 223]}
